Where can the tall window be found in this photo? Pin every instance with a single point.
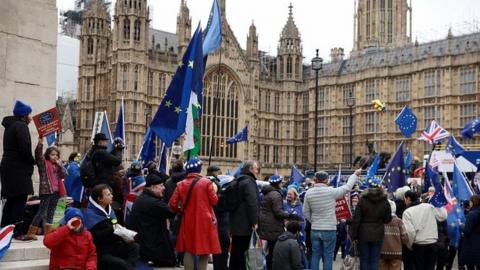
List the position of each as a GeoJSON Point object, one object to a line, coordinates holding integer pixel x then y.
{"type": "Point", "coordinates": [430, 113]}
{"type": "Point", "coordinates": [468, 80]}
{"type": "Point", "coordinates": [321, 126]}
{"type": "Point", "coordinates": [132, 144]}
{"type": "Point", "coordinates": [382, 21]}
{"type": "Point", "coordinates": [305, 155]}
{"type": "Point", "coordinates": [89, 88]}
{"type": "Point", "coordinates": [276, 103]}
{"type": "Point", "coordinates": [346, 125]}
{"type": "Point", "coordinates": [267, 129]}
{"type": "Point", "coordinates": [90, 46]}
{"type": "Point", "coordinates": [305, 130]}
{"type": "Point", "coordinates": [322, 98]}
{"type": "Point", "coordinates": [289, 66]}
{"type": "Point", "coordinates": [348, 92]}
{"type": "Point", "coordinates": [134, 112]}
{"type": "Point", "coordinates": [136, 33]}
{"type": "Point", "coordinates": [162, 82]}
{"type": "Point", "coordinates": [371, 92]}
{"type": "Point", "coordinates": [276, 129]}
{"type": "Point", "coordinates": [346, 154]}
{"type": "Point", "coordinates": [368, 19]}
{"type": "Point", "coordinates": [125, 77]}
{"type": "Point", "coordinates": [225, 117]}
{"type": "Point", "coordinates": [276, 153]}
{"type": "Point", "coordinates": [468, 112]}
{"type": "Point", "coordinates": [287, 154]}
{"type": "Point", "coordinates": [431, 83]}
{"type": "Point", "coordinates": [260, 100]}
{"type": "Point", "coordinates": [150, 83]}
{"type": "Point", "coordinates": [371, 124]}
{"type": "Point", "coordinates": [305, 102]}
{"type": "Point", "coordinates": [267, 101]}
{"type": "Point", "coordinates": [390, 22]}
{"type": "Point", "coordinates": [289, 101]}
{"type": "Point", "coordinates": [266, 153]}
{"type": "Point", "coordinates": [402, 89]}
{"type": "Point", "coordinates": [135, 79]}
{"type": "Point", "coordinates": [126, 29]}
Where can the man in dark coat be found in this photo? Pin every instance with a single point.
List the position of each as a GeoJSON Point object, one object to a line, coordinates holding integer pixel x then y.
{"type": "Point", "coordinates": [149, 219]}
{"type": "Point", "coordinates": [16, 167]}
{"type": "Point", "coordinates": [104, 162]}
{"type": "Point", "coordinates": [177, 174]}
{"type": "Point", "coordinates": [244, 219]}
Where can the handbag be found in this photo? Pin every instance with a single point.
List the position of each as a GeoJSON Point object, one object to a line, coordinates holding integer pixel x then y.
{"type": "Point", "coordinates": [351, 262]}
{"type": "Point", "coordinates": [254, 255]}
{"type": "Point", "coordinates": [177, 221]}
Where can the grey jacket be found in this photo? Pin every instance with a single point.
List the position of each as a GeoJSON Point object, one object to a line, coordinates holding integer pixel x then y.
{"type": "Point", "coordinates": [319, 205]}
{"type": "Point", "coordinates": [286, 254]}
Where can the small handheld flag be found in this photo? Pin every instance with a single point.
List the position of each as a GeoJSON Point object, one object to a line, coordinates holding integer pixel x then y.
{"type": "Point", "coordinates": [471, 128]}
{"type": "Point", "coordinates": [434, 133]}
{"type": "Point", "coordinates": [454, 147]}
{"type": "Point", "coordinates": [407, 122]}
{"type": "Point", "coordinates": [296, 176]}
{"type": "Point", "coordinates": [394, 173]}
{"type": "Point", "coordinates": [239, 137]}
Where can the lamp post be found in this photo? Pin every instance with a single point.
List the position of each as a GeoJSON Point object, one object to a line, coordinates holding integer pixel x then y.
{"type": "Point", "coordinates": [317, 66]}
{"type": "Point", "coordinates": [350, 104]}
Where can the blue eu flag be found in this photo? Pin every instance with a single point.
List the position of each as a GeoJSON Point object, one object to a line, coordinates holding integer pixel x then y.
{"type": "Point", "coordinates": [471, 128]}
{"type": "Point", "coordinates": [148, 149]}
{"type": "Point", "coordinates": [454, 147]}
{"type": "Point", "coordinates": [407, 122]}
{"type": "Point", "coordinates": [171, 117]}
{"type": "Point", "coordinates": [239, 137]}
{"type": "Point", "coordinates": [296, 176]}
{"type": "Point", "coordinates": [395, 172]}
{"type": "Point", "coordinates": [461, 188]}
{"type": "Point", "coordinates": [120, 126]}
{"type": "Point", "coordinates": [213, 31]}
{"type": "Point", "coordinates": [438, 199]}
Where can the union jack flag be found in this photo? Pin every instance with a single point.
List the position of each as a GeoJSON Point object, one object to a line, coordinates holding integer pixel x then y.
{"type": "Point", "coordinates": [6, 234]}
{"type": "Point", "coordinates": [434, 133]}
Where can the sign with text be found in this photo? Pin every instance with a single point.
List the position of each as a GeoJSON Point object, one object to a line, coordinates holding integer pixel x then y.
{"type": "Point", "coordinates": [47, 122]}
{"type": "Point", "coordinates": [342, 210]}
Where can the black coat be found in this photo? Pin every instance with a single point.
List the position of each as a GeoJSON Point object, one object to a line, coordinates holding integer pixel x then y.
{"type": "Point", "coordinates": [171, 184]}
{"type": "Point", "coordinates": [104, 164]}
{"type": "Point", "coordinates": [272, 215]}
{"type": "Point", "coordinates": [105, 240]}
{"type": "Point", "coordinates": [470, 252]}
{"type": "Point", "coordinates": [16, 167]}
{"type": "Point", "coordinates": [149, 219]}
{"type": "Point", "coordinates": [287, 254]}
{"type": "Point", "coordinates": [372, 212]}
{"type": "Point", "coordinates": [246, 215]}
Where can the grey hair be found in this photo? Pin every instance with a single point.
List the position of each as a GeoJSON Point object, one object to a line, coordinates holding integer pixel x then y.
{"type": "Point", "coordinates": [248, 165]}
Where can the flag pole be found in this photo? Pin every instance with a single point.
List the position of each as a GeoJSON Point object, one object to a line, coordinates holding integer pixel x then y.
{"type": "Point", "coordinates": [215, 93]}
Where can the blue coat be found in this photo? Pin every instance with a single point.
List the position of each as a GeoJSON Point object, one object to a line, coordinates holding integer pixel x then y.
{"type": "Point", "coordinates": [296, 209]}
{"type": "Point", "coordinates": [470, 254]}
{"type": "Point", "coordinates": [73, 183]}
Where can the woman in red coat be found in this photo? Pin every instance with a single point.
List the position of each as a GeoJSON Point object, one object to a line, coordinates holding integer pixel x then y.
{"type": "Point", "coordinates": [198, 229]}
{"type": "Point", "coordinates": [71, 245]}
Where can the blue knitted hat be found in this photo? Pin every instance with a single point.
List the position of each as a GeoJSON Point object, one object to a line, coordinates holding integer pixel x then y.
{"type": "Point", "coordinates": [194, 165]}
{"type": "Point", "coordinates": [274, 179]}
{"type": "Point", "coordinates": [21, 109]}
{"type": "Point", "coordinates": [374, 182]}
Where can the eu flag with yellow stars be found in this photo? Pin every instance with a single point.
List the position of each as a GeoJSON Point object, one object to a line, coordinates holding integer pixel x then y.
{"type": "Point", "coordinates": [407, 122]}
{"type": "Point", "coordinates": [171, 117]}
{"type": "Point", "coordinates": [395, 171]}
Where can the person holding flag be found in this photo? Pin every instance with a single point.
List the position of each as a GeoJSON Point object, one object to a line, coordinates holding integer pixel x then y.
{"type": "Point", "coordinates": [470, 252]}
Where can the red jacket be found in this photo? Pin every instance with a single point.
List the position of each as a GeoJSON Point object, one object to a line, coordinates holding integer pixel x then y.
{"type": "Point", "coordinates": [198, 229]}
{"type": "Point", "coordinates": [71, 250]}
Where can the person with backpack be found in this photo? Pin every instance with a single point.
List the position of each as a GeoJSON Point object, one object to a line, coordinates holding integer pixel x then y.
{"type": "Point", "coordinates": [244, 215]}
{"type": "Point", "coordinates": [99, 165]}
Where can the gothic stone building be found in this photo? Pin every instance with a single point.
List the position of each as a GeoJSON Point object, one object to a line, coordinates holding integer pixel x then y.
{"type": "Point", "coordinates": [275, 95]}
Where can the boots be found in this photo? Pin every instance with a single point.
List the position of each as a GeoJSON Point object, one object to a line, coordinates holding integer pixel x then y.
{"type": "Point", "coordinates": [47, 227]}
{"type": "Point", "coordinates": [32, 233]}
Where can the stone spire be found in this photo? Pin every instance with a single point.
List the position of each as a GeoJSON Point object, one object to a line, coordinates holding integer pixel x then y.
{"type": "Point", "coordinates": [184, 28]}
{"type": "Point", "coordinates": [289, 51]}
{"type": "Point", "coordinates": [252, 43]}
{"type": "Point", "coordinates": [290, 30]}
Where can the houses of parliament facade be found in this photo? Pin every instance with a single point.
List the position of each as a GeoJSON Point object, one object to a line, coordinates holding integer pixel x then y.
{"type": "Point", "coordinates": [274, 95]}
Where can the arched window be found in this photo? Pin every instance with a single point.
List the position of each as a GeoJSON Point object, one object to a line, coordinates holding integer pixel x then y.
{"type": "Point", "coordinates": [225, 115]}
{"type": "Point", "coordinates": [126, 29]}
{"type": "Point", "coordinates": [135, 79]}
{"type": "Point", "coordinates": [124, 77]}
{"type": "Point", "coordinates": [289, 65]}
{"type": "Point", "coordinates": [90, 46]}
{"type": "Point", "coordinates": [136, 35]}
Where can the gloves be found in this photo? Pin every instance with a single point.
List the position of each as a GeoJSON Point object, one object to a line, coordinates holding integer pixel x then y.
{"type": "Point", "coordinates": [118, 143]}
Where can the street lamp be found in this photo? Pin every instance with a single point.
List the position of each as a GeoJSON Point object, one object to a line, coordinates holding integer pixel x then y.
{"type": "Point", "coordinates": [350, 104]}
{"type": "Point", "coordinates": [317, 66]}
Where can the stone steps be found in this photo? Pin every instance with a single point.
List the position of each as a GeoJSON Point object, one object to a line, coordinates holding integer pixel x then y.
{"type": "Point", "coordinates": [26, 256]}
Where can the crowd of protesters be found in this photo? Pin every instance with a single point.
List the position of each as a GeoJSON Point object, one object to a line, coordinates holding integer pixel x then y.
{"type": "Point", "coordinates": [119, 218]}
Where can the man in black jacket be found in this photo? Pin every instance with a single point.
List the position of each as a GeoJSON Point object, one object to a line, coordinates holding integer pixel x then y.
{"type": "Point", "coordinates": [16, 168]}
{"type": "Point", "coordinates": [149, 219]}
{"type": "Point", "coordinates": [244, 219]}
{"type": "Point", "coordinates": [104, 162]}
{"type": "Point", "coordinates": [177, 174]}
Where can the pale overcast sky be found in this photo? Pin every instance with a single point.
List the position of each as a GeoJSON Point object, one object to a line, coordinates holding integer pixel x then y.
{"type": "Point", "coordinates": [323, 24]}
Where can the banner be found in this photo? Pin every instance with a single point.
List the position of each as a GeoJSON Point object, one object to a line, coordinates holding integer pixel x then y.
{"type": "Point", "coordinates": [342, 210]}
{"type": "Point", "coordinates": [47, 122]}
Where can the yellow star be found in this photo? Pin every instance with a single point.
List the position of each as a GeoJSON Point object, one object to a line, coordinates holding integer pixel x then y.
{"type": "Point", "coordinates": [180, 64]}
{"type": "Point", "coordinates": [178, 110]}
{"type": "Point", "coordinates": [168, 104]}
{"type": "Point", "coordinates": [190, 64]}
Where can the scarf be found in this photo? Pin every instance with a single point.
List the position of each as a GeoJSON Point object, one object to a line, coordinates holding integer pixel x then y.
{"type": "Point", "coordinates": [95, 213]}
{"type": "Point", "coordinates": [55, 179]}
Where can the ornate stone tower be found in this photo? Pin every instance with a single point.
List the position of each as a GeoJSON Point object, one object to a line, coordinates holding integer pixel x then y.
{"type": "Point", "coordinates": [381, 23]}
{"type": "Point", "coordinates": [252, 44]}
{"type": "Point", "coordinates": [289, 52]}
{"type": "Point", "coordinates": [93, 77]}
{"type": "Point", "coordinates": [130, 69]}
{"type": "Point", "coordinates": [184, 28]}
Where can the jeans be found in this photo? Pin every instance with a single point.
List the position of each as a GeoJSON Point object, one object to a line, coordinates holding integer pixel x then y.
{"type": "Point", "coordinates": [323, 245]}
{"type": "Point", "coordinates": [369, 254]}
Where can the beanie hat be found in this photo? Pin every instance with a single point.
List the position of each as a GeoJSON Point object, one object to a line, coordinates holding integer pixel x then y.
{"type": "Point", "coordinates": [21, 109]}
{"type": "Point", "coordinates": [374, 182]}
{"type": "Point", "coordinates": [72, 212]}
{"type": "Point", "coordinates": [274, 179]}
{"type": "Point", "coordinates": [321, 175]}
{"type": "Point", "coordinates": [194, 165]}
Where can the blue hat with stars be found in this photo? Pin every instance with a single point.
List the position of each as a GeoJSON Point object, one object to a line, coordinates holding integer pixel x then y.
{"type": "Point", "coordinates": [274, 179]}
{"type": "Point", "coordinates": [194, 165]}
{"type": "Point", "coordinates": [374, 182]}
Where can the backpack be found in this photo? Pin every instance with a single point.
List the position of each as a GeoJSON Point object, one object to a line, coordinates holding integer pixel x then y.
{"type": "Point", "coordinates": [229, 196]}
{"type": "Point", "coordinates": [87, 171]}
